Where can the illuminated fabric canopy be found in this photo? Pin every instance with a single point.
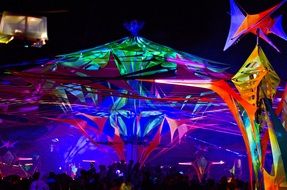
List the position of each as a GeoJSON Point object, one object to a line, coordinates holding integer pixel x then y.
{"type": "Point", "coordinates": [256, 70]}
{"type": "Point", "coordinates": [105, 93]}
{"type": "Point", "coordinates": [261, 24]}
{"type": "Point", "coordinates": [257, 84]}
{"type": "Point", "coordinates": [131, 97]}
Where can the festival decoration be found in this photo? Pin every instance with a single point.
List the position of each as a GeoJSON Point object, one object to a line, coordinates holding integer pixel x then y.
{"type": "Point", "coordinates": [133, 96]}
{"type": "Point", "coordinates": [261, 24]}
{"type": "Point", "coordinates": [257, 83]}
{"type": "Point", "coordinates": [120, 109]}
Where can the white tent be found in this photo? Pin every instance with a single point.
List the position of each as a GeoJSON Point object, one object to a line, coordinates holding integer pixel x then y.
{"type": "Point", "coordinates": [31, 28]}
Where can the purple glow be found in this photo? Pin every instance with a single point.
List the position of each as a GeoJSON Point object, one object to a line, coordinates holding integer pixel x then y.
{"type": "Point", "coordinates": [186, 62]}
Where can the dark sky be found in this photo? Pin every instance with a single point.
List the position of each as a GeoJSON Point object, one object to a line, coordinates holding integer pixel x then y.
{"type": "Point", "coordinates": [199, 27]}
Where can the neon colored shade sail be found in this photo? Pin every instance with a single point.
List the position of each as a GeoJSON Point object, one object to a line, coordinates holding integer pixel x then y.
{"type": "Point", "coordinates": [261, 24]}
{"type": "Point", "coordinates": [104, 93]}
{"type": "Point", "coordinates": [256, 70]}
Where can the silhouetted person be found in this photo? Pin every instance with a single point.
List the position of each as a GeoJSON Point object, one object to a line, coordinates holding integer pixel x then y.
{"type": "Point", "coordinates": [38, 184]}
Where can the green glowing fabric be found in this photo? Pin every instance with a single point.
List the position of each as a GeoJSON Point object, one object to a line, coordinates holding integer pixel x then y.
{"type": "Point", "coordinates": [131, 55]}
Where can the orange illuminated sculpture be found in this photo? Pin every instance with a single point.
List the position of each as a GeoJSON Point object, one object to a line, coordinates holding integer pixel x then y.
{"type": "Point", "coordinates": [261, 24]}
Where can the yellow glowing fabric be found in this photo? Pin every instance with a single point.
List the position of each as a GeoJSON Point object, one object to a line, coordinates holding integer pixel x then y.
{"type": "Point", "coordinates": [5, 39]}
{"type": "Point", "coordinates": [256, 80]}
{"type": "Point", "coordinates": [256, 70]}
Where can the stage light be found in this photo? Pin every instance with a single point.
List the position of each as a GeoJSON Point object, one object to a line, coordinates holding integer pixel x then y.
{"type": "Point", "coordinates": [24, 159]}
{"type": "Point", "coordinates": [89, 161]}
{"type": "Point", "coordinates": [185, 163]}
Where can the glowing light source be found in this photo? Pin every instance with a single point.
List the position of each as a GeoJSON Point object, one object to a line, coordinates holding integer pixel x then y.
{"type": "Point", "coordinates": [185, 163]}
{"type": "Point", "coordinates": [218, 163]}
{"type": "Point", "coordinates": [186, 62]}
{"type": "Point", "coordinates": [24, 159]}
{"type": "Point", "coordinates": [89, 161]}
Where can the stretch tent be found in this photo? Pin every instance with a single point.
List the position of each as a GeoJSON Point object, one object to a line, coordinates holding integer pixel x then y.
{"type": "Point", "coordinates": [114, 100]}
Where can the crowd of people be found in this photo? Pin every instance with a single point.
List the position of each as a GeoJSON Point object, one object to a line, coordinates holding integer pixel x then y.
{"type": "Point", "coordinates": [121, 176]}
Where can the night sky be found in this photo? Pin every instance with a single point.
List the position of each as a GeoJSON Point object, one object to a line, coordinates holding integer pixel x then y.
{"type": "Point", "coordinates": [199, 27]}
